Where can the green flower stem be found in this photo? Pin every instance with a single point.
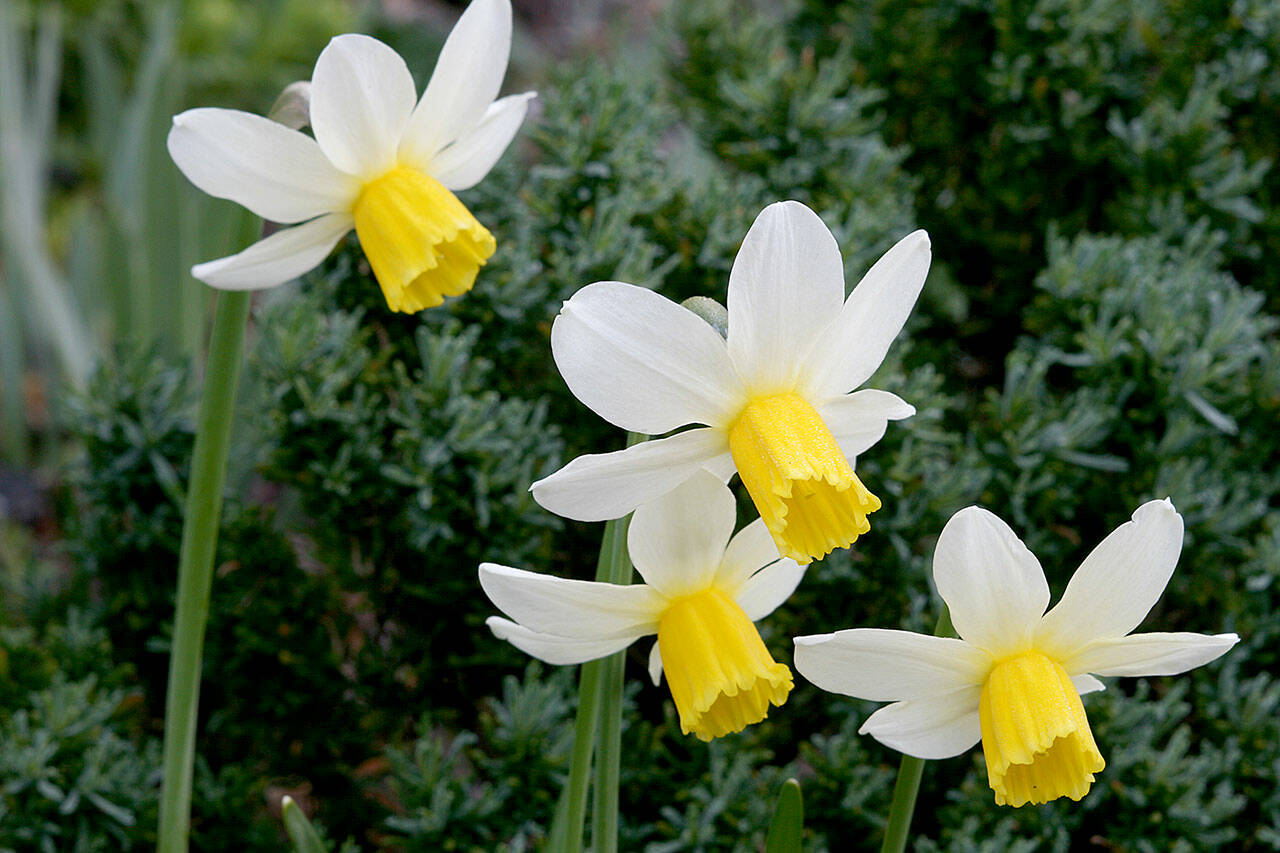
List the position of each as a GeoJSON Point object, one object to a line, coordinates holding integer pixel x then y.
{"type": "Point", "coordinates": [604, 811]}
{"type": "Point", "coordinates": [584, 726]}
{"type": "Point", "coordinates": [584, 739]}
{"type": "Point", "coordinates": [195, 565]}
{"type": "Point", "coordinates": [604, 815]}
{"type": "Point", "coordinates": [599, 711]}
{"type": "Point", "coordinates": [905, 790]}
{"type": "Point", "coordinates": [910, 771]}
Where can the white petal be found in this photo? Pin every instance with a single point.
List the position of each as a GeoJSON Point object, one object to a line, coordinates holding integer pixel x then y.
{"type": "Point", "coordinates": [466, 79]}
{"type": "Point", "coordinates": [785, 287]}
{"type": "Point", "coordinates": [768, 588]}
{"type": "Point", "coordinates": [722, 466]}
{"type": "Point", "coordinates": [278, 173]}
{"type": "Point", "coordinates": [282, 257]}
{"type": "Point", "coordinates": [993, 585]}
{"type": "Point", "coordinates": [851, 349]}
{"type": "Point", "coordinates": [642, 362]}
{"type": "Point", "coordinates": [655, 664]}
{"type": "Point", "coordinates": [933, 727]}
{"type": "Point", "coordinates": [600, 486]}
{"type": "Point", "coordinates": [889, 666]}
{"type": "Point", "coordinates": [472, 155]}
{"type": "Point", "coordinates": [361, 98]}
{"type": "Point", "coordinates": [1149, 654]}
{"type": "Point", "coordinates": [579, 610]}
{"type": "Point", "coordinates": [676, 541]}
{"type": "Point", "coordinates": [1118, 583]}
{"type": "Point", "coordinates": [858, 420]}
{"type": "Point", "coordinates": [1086, 683]}
{"type": "Point", "coordinates": [553, 649]}
{"type": "Point", "coordinates": [749, 551]}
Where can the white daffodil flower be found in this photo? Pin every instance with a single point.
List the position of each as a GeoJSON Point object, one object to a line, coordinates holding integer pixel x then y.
{"type": "Point", "coordinates": [1014, 678]}
{"type": "Point", "coordinates": [702, 592]}
{"type": "Point", "coordinates": [378, 164]}
{"type": "Point", "coordinates": [774, 396]}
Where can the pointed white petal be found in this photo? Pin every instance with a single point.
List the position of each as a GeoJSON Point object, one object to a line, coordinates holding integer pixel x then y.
{"type": "Point", "coordinates": [278, 173]}
{"type": "Point", "coordinates": [992, 583]}
{"type": "Point", "coordinates": [768, 588]}
{"type": "Point", "coordinates": [472, 155]}
{"type": "Point", "coordinates": [1086, 683]}
{"type": "Point", "coordinates": [676, 540]}
{"type": "Point", "coordinates": [601, 486]}
{"type": "Point", "coordinates": [361, 98]}
{"type": "Point", "coordinates": [642, 362]}
{"type": "Point", "coordinates": [1149, 654]}
{"type": "Point", "coordinates": [1118, 583]}
{"type": "Point", "coordinates": [858, 420]}
{"type": "Point", "coordinates": [852, 347]}
{"type": "Point", "coordinates": [553, 649]}
{"type": "Point", "coordinates": [749, 551]}
{"type": "Point", "coordinates": [598, 487]}
{"type": "Point", "coordinates": [785, 287]}
{"type": "Point", "coordinates": [722, 466]}
{"type": "Point", "coordinates": [889, 666]}
{"type": "Point", "coordinates": [465, 82]}
{"type": "Point", "coordinates": [579, 610]}
{"type": "Point", "coordinates": [932, 727]}
{"type": "Point", "coordinates": [282, 257]}
{"type": "Point", "coordinates": [655, 664]}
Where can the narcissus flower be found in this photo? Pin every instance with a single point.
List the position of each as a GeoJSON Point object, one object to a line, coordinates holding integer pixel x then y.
{"type": "Point", "coordinates": [774, 396]}
{"type": "Point", "coordinates": [378, 164]}
{"type": "Point", "coordinates": [1014, 678]}
{"type": "Point", "coordinates": [702, 592]}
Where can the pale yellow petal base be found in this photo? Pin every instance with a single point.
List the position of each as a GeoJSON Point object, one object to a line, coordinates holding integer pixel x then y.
{"type": "Point", "coordinates": [799, 479]}
{"type": "Point", "coordinates": [721, 676]}
{"type": "Point", "coordinates": [1035, 734]}
{"type": "Point", "coordinates": [422, 243]}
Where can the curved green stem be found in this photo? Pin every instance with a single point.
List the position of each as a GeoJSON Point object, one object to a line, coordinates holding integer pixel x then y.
{"type": "Point", "coordinates": [195, 565]}
{"type": "Point", "coordinates": [910, 772]}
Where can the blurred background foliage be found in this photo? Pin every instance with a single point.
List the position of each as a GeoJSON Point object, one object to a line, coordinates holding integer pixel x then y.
{"type": "Point", "coordinates": [1099, 329]}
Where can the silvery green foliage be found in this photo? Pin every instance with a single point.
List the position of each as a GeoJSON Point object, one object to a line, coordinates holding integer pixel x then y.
{"type": "Point", "coordinates": [491, 790]}
{"type": "Point", "coordinates": [1105, 116]}
{"type": "Point", "coordinates": [79, 766]}
{"type": "Point", "coordinates": [406, 467]}
{"type": "Point", "coordinates": [73, 781]}
{"type": "Point", "coordinates": [74, 773]}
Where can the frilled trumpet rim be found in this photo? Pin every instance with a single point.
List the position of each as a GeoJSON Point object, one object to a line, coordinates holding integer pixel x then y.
{"type": "Point", "coordinates": [721, 676]}
{"type": "Point", "coordinates": [798, 478]}
{"type": "Point", "coordinates": [1035, 734]}
{"type": "Point", "coordinates": [421, 241]}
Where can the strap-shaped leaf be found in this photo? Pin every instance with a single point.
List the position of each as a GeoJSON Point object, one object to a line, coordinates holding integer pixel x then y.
{"type": "Point", "coordinates": [788, 820]}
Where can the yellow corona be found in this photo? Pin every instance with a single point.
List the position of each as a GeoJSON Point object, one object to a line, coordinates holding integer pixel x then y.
{"type": "Point", "coordinates": [800, 481]}
{"type": "Point", "coordinates": [422, 243]}
{"type": "Point", "coordinates": [722, 677]}
{"type": "Point", "coordinates": [1035, 734]}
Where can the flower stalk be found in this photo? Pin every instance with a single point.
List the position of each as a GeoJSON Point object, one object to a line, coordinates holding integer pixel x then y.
{"type": "Point", "coordinates": [910, 772]}
{"type": "Point", "coordinates": [604, 814]}
{"type": "Point", "coordinates": [594, 716]}
{"type": "Point", "coordinates": [195, 565]}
